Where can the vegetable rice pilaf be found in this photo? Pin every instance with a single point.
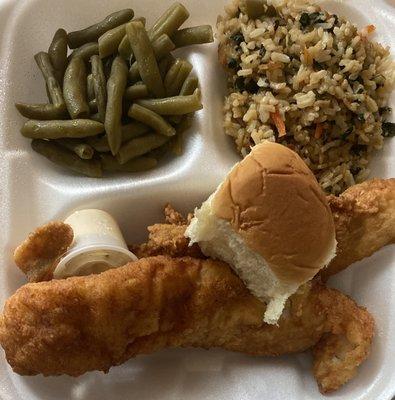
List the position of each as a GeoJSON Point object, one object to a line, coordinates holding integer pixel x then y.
{"type": "Point", "coordinates": [307, 79]}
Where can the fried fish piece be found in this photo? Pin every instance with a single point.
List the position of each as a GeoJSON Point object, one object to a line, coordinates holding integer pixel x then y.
{"type": "Point", "coordinates": [364, 218]}
{"type": "Point", "coordinates": [81, 324]}
{"type": "Point", "coordinates": [37, 255]}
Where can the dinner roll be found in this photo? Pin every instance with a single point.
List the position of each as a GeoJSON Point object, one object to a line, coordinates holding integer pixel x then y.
{"type": "Point", "coordinates": [271, 222]}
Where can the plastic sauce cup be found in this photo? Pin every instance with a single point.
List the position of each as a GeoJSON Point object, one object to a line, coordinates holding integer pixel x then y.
{"type": "Point", "coordinates": [98, 245]}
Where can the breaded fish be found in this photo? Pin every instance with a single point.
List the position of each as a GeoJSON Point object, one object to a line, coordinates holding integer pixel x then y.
{"type": "Point", "coordinates": [82, 324]}
{"type": "Point", "coordinates": [364, 218]}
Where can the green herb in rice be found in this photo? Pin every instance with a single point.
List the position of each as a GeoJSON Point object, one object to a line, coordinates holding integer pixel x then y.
{"type": "Point", "coordinates": [317, 72]}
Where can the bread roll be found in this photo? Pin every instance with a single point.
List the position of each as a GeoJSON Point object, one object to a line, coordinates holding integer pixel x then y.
{"type": "Point", "coordinates": [271, 222]}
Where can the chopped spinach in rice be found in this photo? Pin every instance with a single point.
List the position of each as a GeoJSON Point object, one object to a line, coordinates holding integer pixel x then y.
{"type": "Point", "coordinates": [291, 61]}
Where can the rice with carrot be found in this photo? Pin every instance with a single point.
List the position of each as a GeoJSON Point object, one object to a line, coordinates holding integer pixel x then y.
{"type": "Point", "coordinates": [307, 79]}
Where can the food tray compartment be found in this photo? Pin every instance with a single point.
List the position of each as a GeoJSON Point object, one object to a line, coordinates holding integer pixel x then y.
{"type": "Point", "coordinates": [34, 191]}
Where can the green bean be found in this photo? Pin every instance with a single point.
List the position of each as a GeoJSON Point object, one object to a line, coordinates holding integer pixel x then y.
{"type": "Point", "coordinates": [76, 128]}
{"type": "Point", "coordinates": [177, 105]}
{"type": "Point", "coordinates": [172, 73]}
{"type": "Point", "coordinates": [184, 124]}
{"type": "Point", "coordinates": [129, 131]}
{"type": "Point", "coordinates": [42, 111]}
{"type": "Point", "coordinates": [136, 91]}
{"type": "Point", "coordinates": [93, 106]}
{"type": "Point", "coordinates": [83, 150]}
{"type": "Point", "coordinates": [165, 64]}
{"type": "Point", "coordinates": [175, 119]}
{"type": "Point", "coordinates": [109, 41]}
{"type": "Point", "coordinates": [74, 89]}
{"type": "Point", "coordinates": [115, 89]}
{"type": "Point", "coordinates": [133, 130]}
{"type": "Point", "coordinates": [255, 8]}
{"type": "Point", "coordinates": [111, 164]}
{"type": "Point", "coordinates": [58, 53]}
{"type": "Point", "coordinates": [107, 63]}
{"type": "Point", "coordinates": [100, 144]}
{"type": "Point", "coordinates": [92, 33]}
{"type": "Point", "coordinates": [139, 146]}
{"type": "Point", "coordinates": [90, 90]}
{"type": "Point", "coordinates": [177, 144]}
{"type": "Point", "coordinates": [99, 86]}
{"type": "Point", "coordinates": [95, 117]}
{"type": "Point", "coordinates": [65, 158]}
{"type": "Point", "coordinates": [161, 151]}
{"type": "Point", "coordinates": [151, 119]}
{"type": "Point", "coordinates": [162, 46]}
{"type": "Point", "coordinates": [124, 48]}
{"type": "Point", "coordinates": [142, 50]}
{"type": "Point", "coordinates": [169, 22]}
{"type": "Point", "coordinates": [194, 35]}
{"type": "Point", "coordinates": [53, 87]}
{"type": "Point", "coordinates": [189, 86]}
{"type": "Point", "coordinates": [85, 52]}
{"type": "Point", "coordinates": [174, 85]}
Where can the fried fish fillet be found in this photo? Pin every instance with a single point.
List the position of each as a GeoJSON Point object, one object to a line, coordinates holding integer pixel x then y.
{"type": "Point", "coordinates": [364, 218]}
{"type": "Point", "coordinates": [82, 324]}
{"type": "Point", "coordinates": [38, 254]}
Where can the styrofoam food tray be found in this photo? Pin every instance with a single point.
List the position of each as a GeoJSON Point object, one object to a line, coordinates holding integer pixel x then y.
{"type": "Point", "coordinates": [33, 191]}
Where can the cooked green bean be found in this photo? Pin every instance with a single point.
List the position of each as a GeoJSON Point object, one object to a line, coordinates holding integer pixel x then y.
{"type": "Point", "coordinates": [44, 63]}
{"type": "Point", "coordinates": [83, 150]}
{"type": "Point", "coordinates": [65, 158]}
{"type": "Point", "coordinates": [165, 64]}
{"type": "Point", "coordinates": [142, 50]}
{"type": "Point", "coordinates": [177, 105]}
{"type": "Point", "coordinates": [90, 90]}
{"type": "Point", "coordinates": [136, 91]}
{"type": "Point", "coordinates": [53, 87]}
{"type": "Point", "coordinates": [139, 146]}
{"type": "Point", "coordinates": [129, 131]}
{"type": "Point", "coordinates": [99, 86]}
{"type": "Point", "coordinates": [74, 89]}
{"type": "Point", "coordinates": [169, 21]}
{"type": "Point", "coordinates": [177, 144]}
{"type": "Point", "coordinates": [111, 164]}
{"type": "Point", "coordinates": [86, 51]}
{"type": "Point", "coordinates": [174, 119]}
{"type": "Point", "coordinates": [175, 79]}
{"type": "Point", "coordinates": [76, 128]}
{"type": "Point", "coordinates": [151, 119]}
{"type": "Point", "coordinates": [107, 63]}
{"type": "Point", "coordinates": [133, 130]}
{"type": "Point", "coordinates": [93, 32]}
{"type": "Point", "coordinates": [109, 41]}
{"type": "Point", "coordinates": [185, 123]}
{"type": "Point", "coordinates": [124, 48]}
{"type": "Point", "coordinates": [93, 106]}
{"type": "Point", "coordinates": [172, 73]}
{"type": "Point", "coordinates": [41, 111]}
{"type": "Point", "coordinates": [115, 89]}
{"type": "Point", "coordinates": [100, 144]}
{"type": "Point", "coordinates": [58, 53]}
{"type": "Point", "coordinates": [189, 86]}
{"type": "Point", "coordinates": [194, 35]}
{"type": "Point", "coordinates": [162, 46]}
{"type": "Point", "coordinates": [254, 8]}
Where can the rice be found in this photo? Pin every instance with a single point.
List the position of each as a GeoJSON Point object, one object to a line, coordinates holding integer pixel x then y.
{"type": "Point", "coordinates": [328, 82]}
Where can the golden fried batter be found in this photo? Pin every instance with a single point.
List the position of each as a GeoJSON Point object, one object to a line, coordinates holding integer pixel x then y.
{"type": "Point", "coordinates": [37, 255]}
{"type": "Point", "coordinates": [364, 218]}
{"type": "Point", "coordinates": [81, 324]}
